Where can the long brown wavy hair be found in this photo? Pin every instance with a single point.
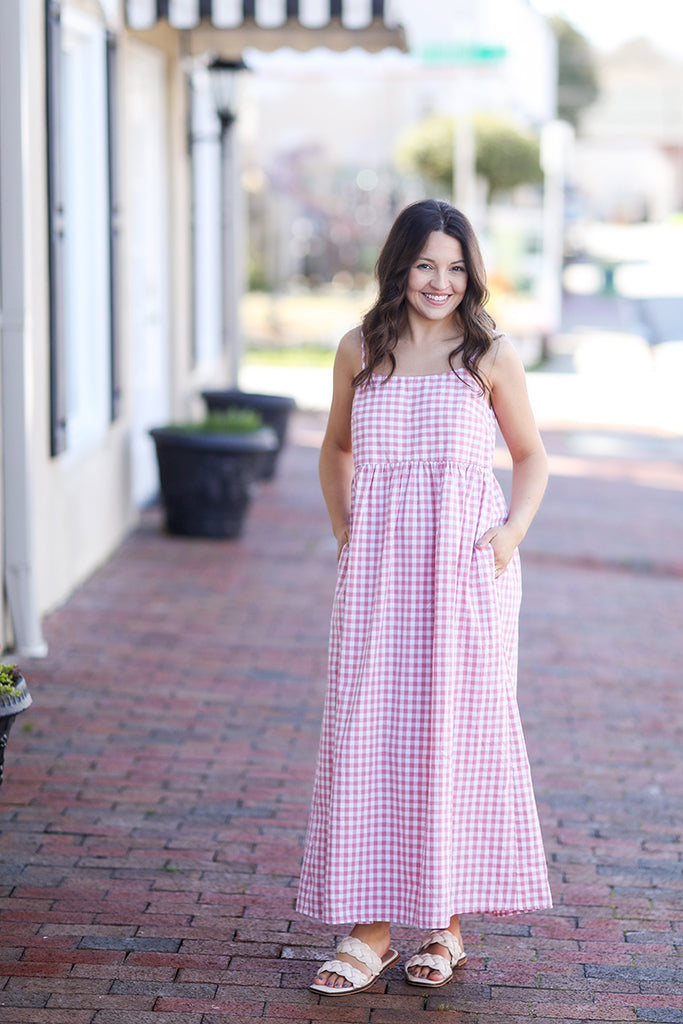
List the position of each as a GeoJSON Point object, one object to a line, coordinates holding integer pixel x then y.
{"type": "Point", "coordinates": [384, 322]}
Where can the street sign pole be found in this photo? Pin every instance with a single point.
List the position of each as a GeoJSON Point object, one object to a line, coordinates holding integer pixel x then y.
{"type": "Point", "coordinates": [463, 56]}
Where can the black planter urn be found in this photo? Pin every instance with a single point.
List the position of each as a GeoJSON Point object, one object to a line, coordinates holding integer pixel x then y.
{"type": "Point", "coordinates": [274, 410]}
{"type": "Point", "coordinates": [11, 705]}
{"type": "Point", "coordinates": [207, 479]}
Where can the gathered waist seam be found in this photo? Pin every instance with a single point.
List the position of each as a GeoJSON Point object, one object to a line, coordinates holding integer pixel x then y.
{"type": "Point", "coordinates": [390, 463]}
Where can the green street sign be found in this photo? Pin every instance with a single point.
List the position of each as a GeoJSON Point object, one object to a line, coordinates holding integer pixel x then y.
{"type": "Point", "coordinates": [461, 53]}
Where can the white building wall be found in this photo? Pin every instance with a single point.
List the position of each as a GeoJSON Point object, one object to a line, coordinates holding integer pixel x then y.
{"type": "Point", "coordinates": [80, 502]}
{"type": "Point", "coordinates": [81, 508]}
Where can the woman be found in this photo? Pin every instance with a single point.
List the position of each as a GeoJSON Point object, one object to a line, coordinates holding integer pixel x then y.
{"type": "Point", "coordinates": [423, 807]}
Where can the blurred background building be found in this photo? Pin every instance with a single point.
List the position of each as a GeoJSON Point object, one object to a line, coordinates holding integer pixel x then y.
{"type": "Point", "coordinates": [153, 236]}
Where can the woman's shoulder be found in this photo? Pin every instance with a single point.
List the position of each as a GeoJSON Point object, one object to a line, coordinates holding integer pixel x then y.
{"type": "Point", "coordinates": [352, 338]}
{"type": "Point", "coordinates": [501, 361]}
{"type": "Point", "coordinates": [500, 354]}
{"type": "Point", "coordinates": [350, 350]}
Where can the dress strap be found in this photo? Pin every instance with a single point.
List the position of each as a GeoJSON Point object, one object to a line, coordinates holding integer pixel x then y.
{"type": "Point", "coordinates": [362, 349]}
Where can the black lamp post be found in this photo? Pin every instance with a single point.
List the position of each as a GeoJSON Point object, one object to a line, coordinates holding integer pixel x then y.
{"type": "Point", "coordinates": [223, 78]}
{"type": "Point", "coordinates": [224, 87]}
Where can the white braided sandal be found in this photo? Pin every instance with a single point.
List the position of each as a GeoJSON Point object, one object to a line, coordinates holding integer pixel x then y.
{"type": "Point", "coordinates": [435, 962]}
{"type": "Point", "coordinates": [359, 980]}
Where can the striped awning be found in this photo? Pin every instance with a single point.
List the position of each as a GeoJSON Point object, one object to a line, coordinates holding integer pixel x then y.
{"type": "Point", "coordinates": [269, 24]}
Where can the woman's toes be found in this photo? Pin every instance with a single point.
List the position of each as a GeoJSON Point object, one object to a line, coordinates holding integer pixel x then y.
{"type": "Point", "coordinates": [425, 972]}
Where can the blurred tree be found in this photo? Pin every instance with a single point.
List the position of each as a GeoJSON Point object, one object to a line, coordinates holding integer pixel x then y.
{"type": "Point", "coordinates": [505, 155]}
{"type": "Point", "coordinates": [577, 81]}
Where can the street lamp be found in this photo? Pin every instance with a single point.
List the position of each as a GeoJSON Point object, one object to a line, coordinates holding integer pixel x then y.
{"type": "Point", "coordinates": [224, 87]}
{"type": "Point", "coordinates": [223, 75]}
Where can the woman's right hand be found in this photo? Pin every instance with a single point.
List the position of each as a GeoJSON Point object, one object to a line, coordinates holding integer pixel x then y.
{"type": "Point", "coordinates": [342, 538]}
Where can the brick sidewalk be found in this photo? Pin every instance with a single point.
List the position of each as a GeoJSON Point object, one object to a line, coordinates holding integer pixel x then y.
{"type": "Point", "coordinates": [156, 794]}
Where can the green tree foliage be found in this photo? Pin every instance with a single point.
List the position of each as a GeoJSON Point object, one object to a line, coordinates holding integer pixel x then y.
{"type": "Point", "coordinates": [505, 155]}
{"type": "Point", "coordinates": [577, 83]}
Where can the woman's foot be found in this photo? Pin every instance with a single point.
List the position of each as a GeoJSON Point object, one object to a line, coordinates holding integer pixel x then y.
{"type": "Point", "coordinates": [437, 949]}
{"type": "Point", "coordinates": [376, 936]}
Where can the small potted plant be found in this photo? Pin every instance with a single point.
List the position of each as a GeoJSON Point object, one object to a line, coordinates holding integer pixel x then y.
{"type": "Point", "coordinates": [14, 698]}
{"type": "Point", "coordinates": [207, 471]}
{"type": "Point", "coordinates": [275, 411]}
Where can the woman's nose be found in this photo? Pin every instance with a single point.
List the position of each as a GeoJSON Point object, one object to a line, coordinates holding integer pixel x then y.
{"type": "Point", "coordinates": [439, 279]}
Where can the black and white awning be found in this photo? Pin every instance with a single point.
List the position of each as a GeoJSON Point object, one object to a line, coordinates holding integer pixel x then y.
{"type": "Point", "coordinates": [300, 23]}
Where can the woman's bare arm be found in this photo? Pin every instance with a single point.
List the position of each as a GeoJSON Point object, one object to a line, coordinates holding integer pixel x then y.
{"type": "Point", "coordinates": [510, 400]}
{"type": "Point", "coordinates": [336, 460]}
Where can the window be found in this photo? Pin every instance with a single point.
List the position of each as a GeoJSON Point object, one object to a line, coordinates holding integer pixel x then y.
{"type": "Point", "coordinates": [83, 228]}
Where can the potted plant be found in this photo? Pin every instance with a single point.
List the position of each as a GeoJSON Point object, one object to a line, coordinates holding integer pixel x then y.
{"type": "Point", "coordinates": [14, 698]}
{"type": "Point", "coordinates": [207, 471]}
{"type": "Point", "coordinates": [275, 411]}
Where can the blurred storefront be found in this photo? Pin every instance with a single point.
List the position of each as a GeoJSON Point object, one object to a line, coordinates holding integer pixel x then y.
{"type": "Point", "coordinates": [629, 157]}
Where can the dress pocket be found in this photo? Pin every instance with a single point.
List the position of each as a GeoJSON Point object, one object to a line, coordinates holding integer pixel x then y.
{"type": "Point", "coordinates": [343, 558]}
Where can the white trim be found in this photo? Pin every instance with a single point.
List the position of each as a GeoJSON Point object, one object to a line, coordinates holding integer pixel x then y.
{"type": "Point", "coordinates": [16, 376]}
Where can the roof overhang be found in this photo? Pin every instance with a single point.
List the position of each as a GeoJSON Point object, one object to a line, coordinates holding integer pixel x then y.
{"type": "Point", "coordinates": [227, 29]}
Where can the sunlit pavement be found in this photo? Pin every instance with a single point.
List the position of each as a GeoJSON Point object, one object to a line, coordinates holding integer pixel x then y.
{"type": "Point", "coordinates": [156, 793]}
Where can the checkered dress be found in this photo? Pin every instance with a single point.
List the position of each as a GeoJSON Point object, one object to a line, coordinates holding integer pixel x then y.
{"type": "Point", "coordinates": [423, 805]}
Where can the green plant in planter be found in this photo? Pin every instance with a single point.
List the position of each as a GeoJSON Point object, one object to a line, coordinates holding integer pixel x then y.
{"type": "Point", "coordinates": [274, 409]}
{"type": "Point", "coordinates": [14, 698]}
{"type": "Point", "coordinates": [207, 470]}
{"type": "Point", "coordinates": [9, 678]}
{"type": "Point", "coordinates": [230, 421]}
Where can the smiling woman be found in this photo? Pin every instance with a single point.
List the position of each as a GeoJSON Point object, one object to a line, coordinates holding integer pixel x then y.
{"type": "Point", "coordinates": [423, 807]}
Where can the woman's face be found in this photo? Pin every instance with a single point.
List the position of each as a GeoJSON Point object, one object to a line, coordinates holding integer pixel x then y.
{"type": "Point", "coordinates": [438, 278]}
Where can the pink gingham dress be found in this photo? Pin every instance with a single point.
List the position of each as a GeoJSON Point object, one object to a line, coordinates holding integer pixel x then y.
{"type": "Point", "coordinates": [423, 805]}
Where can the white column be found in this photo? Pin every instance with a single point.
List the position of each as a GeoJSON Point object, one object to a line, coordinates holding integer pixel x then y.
{"type": "Point", "coordinates": [17, 508]}
{"type": "Point", "coordinates": [231, 251]}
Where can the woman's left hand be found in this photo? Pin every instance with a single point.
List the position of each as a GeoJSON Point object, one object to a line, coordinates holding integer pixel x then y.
{"type": "Point", "coordinates": [504, 544]}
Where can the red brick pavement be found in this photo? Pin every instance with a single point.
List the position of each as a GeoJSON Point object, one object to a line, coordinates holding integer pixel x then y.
{"type": "Point", "coordinates": [156, 794]}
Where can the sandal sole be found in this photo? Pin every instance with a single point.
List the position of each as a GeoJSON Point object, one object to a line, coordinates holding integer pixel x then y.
{"type": "Point", "coordinates": [426, 983]}
{"type": "Point", "coordinates": [326, 990]}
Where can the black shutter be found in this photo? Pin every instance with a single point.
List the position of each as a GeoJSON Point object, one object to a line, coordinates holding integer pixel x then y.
{"type": "Point", "coordinates": [53, 52]}
{"type": "Point", "coordinates": [114, 225]}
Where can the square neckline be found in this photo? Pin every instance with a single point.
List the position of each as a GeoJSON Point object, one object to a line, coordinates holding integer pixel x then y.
{"type": "Point", "coordinates": [419, 376]}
